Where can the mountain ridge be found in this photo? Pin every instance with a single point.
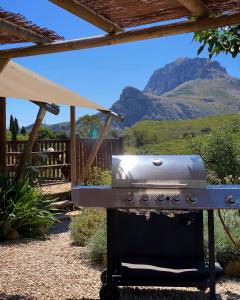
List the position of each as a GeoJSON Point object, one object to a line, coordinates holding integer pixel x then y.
{"type": "Point", "coordinates": [186, 88]}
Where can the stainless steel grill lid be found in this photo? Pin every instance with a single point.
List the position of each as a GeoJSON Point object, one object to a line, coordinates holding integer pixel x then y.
{"type": "Point", "coordinates": [158, 171]}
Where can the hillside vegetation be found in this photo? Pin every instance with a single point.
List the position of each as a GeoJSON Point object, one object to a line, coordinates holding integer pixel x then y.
{"type": "Point", "coordinates": [173, 137]}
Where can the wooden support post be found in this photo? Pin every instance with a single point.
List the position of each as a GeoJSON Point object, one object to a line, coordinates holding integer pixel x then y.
{"type": "Point", "coordinates": [3, 138]}
{"type": "Point", "coordinates": [96, 148]}
{"type": "Point", "coordinates": [73, 145]}
{"type": "Point", "coordinates": [27, 153]}
{"type": "Point", "coordinates": [3, 134]}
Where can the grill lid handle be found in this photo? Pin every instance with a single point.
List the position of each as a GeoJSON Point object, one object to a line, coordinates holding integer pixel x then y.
{"type": "Point", "coordinates": [158, 185]}
{"type": "Point", "coordinates": [157, 162]}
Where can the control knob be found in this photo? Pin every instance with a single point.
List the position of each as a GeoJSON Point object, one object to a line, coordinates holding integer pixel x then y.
{"type": "Point", "coordinates": [145, 198]}
{"type": "Point", "coordinates": [128, 198]}
{"type": "Point", "coordinates": [230, 200]}
{"type": "Point", "coordinates": [176, 198]}
{"type": "Point", "coordinates": [160, 198]}
{"type": "Point", "coordinates": [192, 199]}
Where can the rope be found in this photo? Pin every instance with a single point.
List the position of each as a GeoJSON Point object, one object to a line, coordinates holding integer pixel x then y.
{"type": "Point", "coordinates": [235, 242]}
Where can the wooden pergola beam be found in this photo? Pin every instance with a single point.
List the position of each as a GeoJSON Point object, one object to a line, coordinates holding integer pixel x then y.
{"type": "Point", "coordinates": [87, 14]}
{"type": "Point", "coordinates": [125, 37]}
{"type": "Point", "coordinates": [196, 7]}
{"type": "Point", "coordinates": [22, 32]}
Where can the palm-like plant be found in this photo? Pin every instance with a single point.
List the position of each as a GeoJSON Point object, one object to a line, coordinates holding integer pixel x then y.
{"type": "Point", "coordinates": [23, 209]}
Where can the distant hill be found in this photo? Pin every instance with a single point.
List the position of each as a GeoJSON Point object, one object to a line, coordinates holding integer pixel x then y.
{"type": "Point", "coordinates": [171, 136]}
{"type": "Point", "coordinates": [184, 89]}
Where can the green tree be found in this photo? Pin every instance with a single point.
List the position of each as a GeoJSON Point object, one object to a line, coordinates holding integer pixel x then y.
{"type": "Point", "coordinates": [221, 40]}
{"type": "Point", "coordinates": [16, 126]}
{"type": "Point", "coordinates": [45, 134]}
{"type": "Point", "coordinates": [23, 131]}
{"type": "Point", "coordinates": [88, 124]}
{"type": "Point", "coordinates": [219, 152]}
{"type": "Point", "coordinates": [13, 127]}
{"type": "Point", "coordinates": [61, 135]}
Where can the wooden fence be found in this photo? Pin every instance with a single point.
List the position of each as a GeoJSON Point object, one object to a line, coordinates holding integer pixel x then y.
{"type": "Point", "coordinates": [52, 157]}
{"type": "Point", "coordinates": [103, 159]}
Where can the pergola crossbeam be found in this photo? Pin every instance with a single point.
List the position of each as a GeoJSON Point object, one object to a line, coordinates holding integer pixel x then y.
{"type": "Point", "coordinates": [87, 14]}
{"type": "Point", "coordinates": [124, 37]}
{"type": "Point", "coordinates": [196, 7]}
{"type": "Point", "coordinates": [21, 32]}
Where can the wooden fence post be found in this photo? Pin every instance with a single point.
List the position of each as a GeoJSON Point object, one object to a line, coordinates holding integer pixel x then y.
{"type": "Point", "coordinates": [73, 145]}
{"type": "Point", "coordinates": [3, 138]}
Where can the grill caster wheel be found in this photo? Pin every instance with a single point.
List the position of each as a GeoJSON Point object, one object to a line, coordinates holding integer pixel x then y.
{"type": "Point", "coordinates": [104, 276]}
{"type": "Point", "coordinates": [109, 291]}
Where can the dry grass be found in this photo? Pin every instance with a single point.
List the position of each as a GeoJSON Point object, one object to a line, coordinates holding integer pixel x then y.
{"type": "Point", "coordinates": [54, 269]}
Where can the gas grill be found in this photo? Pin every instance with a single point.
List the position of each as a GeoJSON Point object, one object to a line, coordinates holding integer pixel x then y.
{"type": "Point", "coordinates": [158, 182]}
{"type": "Point", "coordinates": [167, 247]}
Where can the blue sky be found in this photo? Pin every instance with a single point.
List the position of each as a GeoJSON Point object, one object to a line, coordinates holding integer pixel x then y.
{"type": "Point", "coordinates": [99, 74]}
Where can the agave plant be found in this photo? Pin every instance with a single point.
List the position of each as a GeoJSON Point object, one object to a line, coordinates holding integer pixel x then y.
{"type": "Point", "coordinates": [23, 209]}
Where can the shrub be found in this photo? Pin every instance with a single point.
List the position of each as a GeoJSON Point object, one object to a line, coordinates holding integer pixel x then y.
{"type": "Point", "coordinates": [84, 226]}
{"type": "Point", "coordinates": [24, 211]}
{"type": "Point", "coordinates": [219, 152]}
{"type": "Point", "coordinates": [97, 244]}
{"type": "Point", "coordinates": [45, 134]}
{"type": "Point", "coordinates": [224, 248]}
{"type": "Point", "coordinates": [97, 176]}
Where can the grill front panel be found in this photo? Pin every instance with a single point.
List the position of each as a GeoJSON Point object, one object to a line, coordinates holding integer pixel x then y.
{"type": "Point", "coordinates": [165, 182]}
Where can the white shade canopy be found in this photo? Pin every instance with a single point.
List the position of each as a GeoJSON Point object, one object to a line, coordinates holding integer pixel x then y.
{"type": "Point", "coordinates": [21, 83]}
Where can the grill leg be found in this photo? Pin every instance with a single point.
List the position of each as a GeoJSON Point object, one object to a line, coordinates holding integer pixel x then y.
{"type": "Point", "coordinates": [109, 250]}
{"type": "Point", "coordinates": [211, 248]}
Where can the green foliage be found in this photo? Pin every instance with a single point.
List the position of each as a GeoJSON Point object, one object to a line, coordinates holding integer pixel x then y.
{"type": "Point", "coordinates": [23, 210]}
{"type": "Point", "coordinates": [221, 40]}
{"type": "Point", "coordinates": [23, 131]}
{"type": "Point", "coordinates": [219, 152]}
{"type": "Point", "coordinates": [225, 250]}
{"type": "Point", "coordinates": [45, 134]}
{"type": "Point", "coordinates": [61, 135]}
{"type": "Point", "coordinates": [48, 134]}
{"type": "Point", "coordinates": [14, 127]}
{"type": "Point", "coordinates": [88, 124]}
{"type": "Point", "coordinates": [97, 176]}
{"type": "Point", "coordinates": [97, 244]}
{"type": "Point", "coordinates": [171, 137]}
{"type": "Point", "coordinates": [85, 225]}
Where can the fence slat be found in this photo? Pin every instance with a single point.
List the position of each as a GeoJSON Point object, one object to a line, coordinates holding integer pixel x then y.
{"type": "Point", "coordinates": [56, 165]}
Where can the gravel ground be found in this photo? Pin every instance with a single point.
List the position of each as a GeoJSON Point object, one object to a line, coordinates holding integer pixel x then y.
{"type": "Point", "coordinates": [56, 188]}
{"type": "Point", "coordinates": [54, 269]}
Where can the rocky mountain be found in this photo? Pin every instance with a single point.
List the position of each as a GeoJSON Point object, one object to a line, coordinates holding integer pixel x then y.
{"type": "Point", "coordinates": [183, 70]}
{"type": "Point", "coordinates": [184, 89]}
